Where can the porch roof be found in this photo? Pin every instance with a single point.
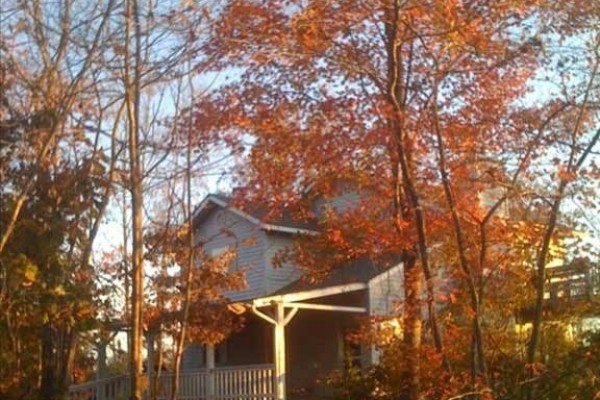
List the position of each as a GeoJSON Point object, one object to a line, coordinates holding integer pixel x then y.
{"type": "Point", "coordinates": [361, 270]}
{"type": "Point", "coordinates": [353, 277]}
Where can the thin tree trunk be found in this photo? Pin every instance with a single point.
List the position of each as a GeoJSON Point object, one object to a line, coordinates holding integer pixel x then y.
{"type": "Point", "coordinates": [190, 268]}
{"type": "Point", "coordinates": [159, 360]}
{"type": "Point", "coordinates": [479, 364]}
{"type": "Point", "coordinates": [58, 345]}
{"type": "Point", "coordinates": [541, 260]}
{"type": "Point", "coordinates": [540, 285]}
{"type": "Point", "coordinates": [48, 384]}
{"type": "Point", "coordinates": [132, 94]}
{"type": "Point", "coordinates": [413, 325]}
{"type": "Point", "coordinates": [126, 269]}
{"type": "Point", "coordinates": [397, 76]}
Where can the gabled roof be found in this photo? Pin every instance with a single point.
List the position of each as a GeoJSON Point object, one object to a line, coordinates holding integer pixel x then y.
{"type": "Point", "coordinates": [257, 216]}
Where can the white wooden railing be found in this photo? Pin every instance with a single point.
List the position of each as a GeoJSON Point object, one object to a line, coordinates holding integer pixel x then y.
{"type": "Point", "coordinates": [113, 388]}
{"type": "Point", "coordinates": [251, 382]}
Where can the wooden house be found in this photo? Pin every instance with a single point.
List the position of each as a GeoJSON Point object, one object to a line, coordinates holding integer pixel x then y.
{"type": "Point", "coordinates": [300, 328]}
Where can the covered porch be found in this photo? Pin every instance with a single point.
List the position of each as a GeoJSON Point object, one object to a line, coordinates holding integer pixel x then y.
{"type": "Point", "coordinates": [303, 333]}
{"type": "Point", "coordinates": [308, 325]}
{"type": "Point", "coordinates": [289, 342]}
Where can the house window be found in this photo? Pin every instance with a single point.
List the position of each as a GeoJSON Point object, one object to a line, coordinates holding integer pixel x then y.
{"type": "Point", "coordinates": [349, 351]}
{"type": "Point", "coordinates": [352, 355]}
{"type": "Point", "coordinates": [225, 256]}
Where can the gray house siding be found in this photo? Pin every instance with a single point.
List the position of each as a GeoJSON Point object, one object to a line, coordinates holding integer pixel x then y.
{"type": "Point", "coordinates": [385, 292]}
{"type": "Point", "coordinates": [345, 201]}
{"type": "Point", "coordinates": [193, 357]}
{"type": "Point", "coordinates": [277, 277]}
{"type": "Point", "coordinates": [224, 229]}
{"type": "Point", "coordinates": [253, 345]}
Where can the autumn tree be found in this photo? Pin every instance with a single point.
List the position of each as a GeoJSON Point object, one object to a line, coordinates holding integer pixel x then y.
{"type": "Point", "coordinates": [53, 75]}
{"type": "Point", "coordinates": [55, 188]}
{"type": "Point", "coordinates": [432, 111]}
{"type": "Point", "coordinates": [187, 301]}
{"type": "Point", "coordinates": [82, 109]}
{"type": "Point", "coordinates": [63, 112]}
{"type": "Point", "coordinates": [153, 49]}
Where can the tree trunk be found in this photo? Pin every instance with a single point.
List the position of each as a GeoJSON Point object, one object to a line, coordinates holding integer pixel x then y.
{"type": "Point", "coordinates": [413, 326]}
{"type": "Point", "coordinates": [58, 347]}
{"type": "Point", "coordinates": [188, 212]}
{"type": "Point", "coordinates": [478, 366]}
{"type": "Point", "coordinates": [408, 205]}
{"type": "Point", "coordinates": [573, 166]}
{"type": "Point", "coordinates": [132, 95]}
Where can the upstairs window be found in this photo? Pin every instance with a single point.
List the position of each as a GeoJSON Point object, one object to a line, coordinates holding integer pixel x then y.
{"type": "Point", "coordinates": [225, 256]}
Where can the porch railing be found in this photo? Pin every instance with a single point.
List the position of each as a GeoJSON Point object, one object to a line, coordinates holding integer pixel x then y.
{"type": "Point", "coordinates": [251, 382]}
{"type": "Point", "coordinates": [113, 388]}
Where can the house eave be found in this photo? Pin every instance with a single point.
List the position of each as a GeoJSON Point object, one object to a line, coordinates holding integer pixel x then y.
{"type": "Point", "coordinates": [262, 225]}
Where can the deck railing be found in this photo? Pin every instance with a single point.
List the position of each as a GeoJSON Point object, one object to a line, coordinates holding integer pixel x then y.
{"type": "Point", "coordinates": [249, 382]}
{"type": "Point", "coordinates": [572, 282]}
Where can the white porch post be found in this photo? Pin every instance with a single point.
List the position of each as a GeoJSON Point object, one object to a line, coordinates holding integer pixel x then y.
{"type": "Point", "coordinates": [210, 365]}
{"type": "Point", "coordinates": [280, 352]}
{"type": "Point", "coordinates": [279, 321]}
